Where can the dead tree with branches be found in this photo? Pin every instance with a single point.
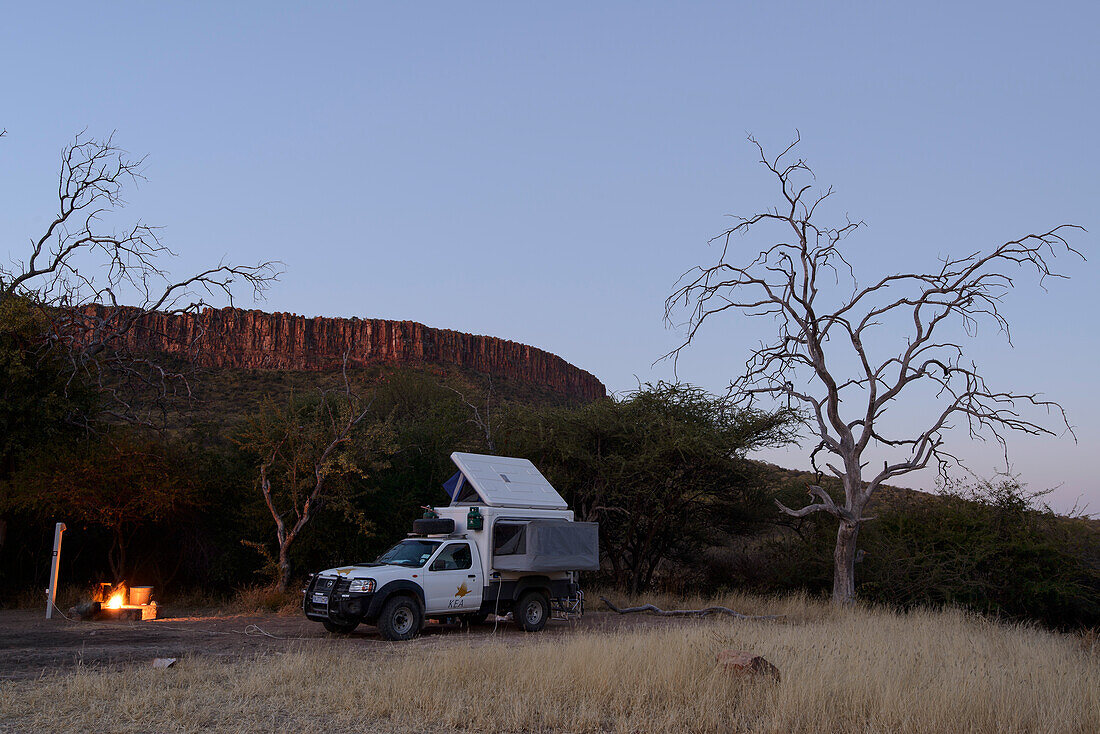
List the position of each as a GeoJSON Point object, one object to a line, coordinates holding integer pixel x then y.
{"type": "Point", "coordinates": [846, 356]}
{"type": "Point", "coordinates": [484, 422]}
{"type": "Point", "coordinates": [85, 263]}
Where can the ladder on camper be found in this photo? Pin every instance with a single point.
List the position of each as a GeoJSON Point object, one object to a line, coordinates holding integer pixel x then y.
{"type": "Point", "coordinates": [567, 609]}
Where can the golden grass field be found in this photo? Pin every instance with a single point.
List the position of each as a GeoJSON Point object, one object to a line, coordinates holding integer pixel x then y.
{"type": "Point", "coordinates": [850, 670]}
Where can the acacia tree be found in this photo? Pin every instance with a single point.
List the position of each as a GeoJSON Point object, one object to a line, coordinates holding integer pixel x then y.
{"type": "Point", "coordinates": [661, 469]}
{"type": "Point", "coordinates": [846, 356]}
{"type": "Point", "coordinates": [84, 262]}
{"type": "Point", "coordinates": [309, 452]}
{"type": "Point", "coordinates": [38, 402]}
{"type": "Point", "coordinates": [121, 480]}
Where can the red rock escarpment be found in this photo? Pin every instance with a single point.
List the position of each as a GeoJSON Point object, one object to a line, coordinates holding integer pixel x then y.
{"type": "Point", "coordinates": [232, 337]}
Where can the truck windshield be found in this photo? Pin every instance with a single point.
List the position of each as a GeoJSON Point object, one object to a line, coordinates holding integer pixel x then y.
{"type": "Point", "coordinates": [414, 553]}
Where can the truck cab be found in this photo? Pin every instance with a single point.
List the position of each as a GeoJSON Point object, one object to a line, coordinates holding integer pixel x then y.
{"type": "Point", "coordinates": [506, 544]}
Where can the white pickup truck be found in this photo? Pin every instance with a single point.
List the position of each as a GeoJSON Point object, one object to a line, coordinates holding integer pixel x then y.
{"type": "Point", "coordinates": [506, 544]}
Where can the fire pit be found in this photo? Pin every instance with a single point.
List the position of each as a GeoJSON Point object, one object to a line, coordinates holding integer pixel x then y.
{"type": "Point", "coordinates": [113, 602]}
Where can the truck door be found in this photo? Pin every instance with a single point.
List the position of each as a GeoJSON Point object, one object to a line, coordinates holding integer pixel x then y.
{"type": "Point", "coordinates": [453, 583]}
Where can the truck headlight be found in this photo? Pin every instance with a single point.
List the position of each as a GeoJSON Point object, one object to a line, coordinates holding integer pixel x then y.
{"type": "Point", "coordinates": [361, 586]}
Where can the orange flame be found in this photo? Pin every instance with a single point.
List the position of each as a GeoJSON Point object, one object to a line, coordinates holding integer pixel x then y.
{"type": "Point", "coordinates": [115, 602]}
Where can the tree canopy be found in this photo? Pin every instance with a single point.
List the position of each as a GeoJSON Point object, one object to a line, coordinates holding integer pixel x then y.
{"type": "Point", "coordinates": [659, 469]}
{"type": "Point", "coordinates": [311, 451]}
{"type": "Point", "coordinates": [120, 480]}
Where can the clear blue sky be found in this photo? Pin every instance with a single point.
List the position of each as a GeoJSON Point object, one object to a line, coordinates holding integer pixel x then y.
{"type": "Point", "coordinates": [544, 173]}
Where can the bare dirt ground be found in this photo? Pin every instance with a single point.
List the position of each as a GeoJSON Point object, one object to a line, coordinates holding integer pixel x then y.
{"type": "Point", "coordinates": [31, 646]}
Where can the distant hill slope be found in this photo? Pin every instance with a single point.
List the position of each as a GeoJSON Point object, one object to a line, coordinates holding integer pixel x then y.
{"type": "Point", "coordinates": [224, 396]}
{"type": "Point", "coordinates": [886, 496]}
{"type": "Point", "coordinates": [780, 478]}
{"type": "Point", "coordinates": [255, 340]}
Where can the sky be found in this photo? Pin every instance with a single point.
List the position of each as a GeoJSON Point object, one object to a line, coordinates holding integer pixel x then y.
{"type": "Point", "coordinates": [546, 172]}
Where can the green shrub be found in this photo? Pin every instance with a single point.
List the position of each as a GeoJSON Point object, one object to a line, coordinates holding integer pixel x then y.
{"type": "Point", "coordinates": [993, 547]}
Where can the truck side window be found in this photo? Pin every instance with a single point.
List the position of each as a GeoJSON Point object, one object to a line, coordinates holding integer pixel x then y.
{"type": "Point", "coordinates": [509, 538]}
{"type": "Point", "coordinates": [454, 557]}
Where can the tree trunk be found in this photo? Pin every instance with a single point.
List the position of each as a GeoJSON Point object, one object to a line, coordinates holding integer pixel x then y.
{"type": "Point", "coordinates": [284, 566]}
{"type": "Point", "coordinates": [844, 563]}
{"type": "Point", "coordinates": [116, 557]}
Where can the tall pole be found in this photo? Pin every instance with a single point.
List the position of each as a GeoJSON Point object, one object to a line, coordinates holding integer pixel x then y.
{"type": "Point", "coordinates": [51, 593]}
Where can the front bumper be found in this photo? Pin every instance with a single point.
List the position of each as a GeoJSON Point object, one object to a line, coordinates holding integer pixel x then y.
{"type": "Point", "coordinates": [329, 599]}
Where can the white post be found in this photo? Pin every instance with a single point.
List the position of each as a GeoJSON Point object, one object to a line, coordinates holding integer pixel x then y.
{"type": "Point", "coordinates": [51, 593]}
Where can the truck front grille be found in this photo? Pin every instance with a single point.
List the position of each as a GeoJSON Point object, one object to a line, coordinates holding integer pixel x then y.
{"type": "Point", "coordinates": [320, 594]}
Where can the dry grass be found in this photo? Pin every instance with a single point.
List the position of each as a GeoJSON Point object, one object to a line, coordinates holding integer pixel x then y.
{"type": "Point", "coordinates": [857, 670]}
{"type": "Point", "coordinates": [264, 599]}
{"type": "Point", "coordinates": [67, 595]}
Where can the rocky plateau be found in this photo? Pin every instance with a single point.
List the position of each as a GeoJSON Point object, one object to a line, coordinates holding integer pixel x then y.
{"type": "Point", "coordinates": [251, 339]}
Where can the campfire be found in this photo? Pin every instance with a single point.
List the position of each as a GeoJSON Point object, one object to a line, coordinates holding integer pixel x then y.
{"type": "Point", "coordinates": [118, 602]}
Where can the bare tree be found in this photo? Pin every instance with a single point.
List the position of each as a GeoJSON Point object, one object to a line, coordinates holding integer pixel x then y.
{"type": "Point", "coordinates": [483, 423]}
{"type": "Point", "coordinates": [846, 356]}
{"type": "Point", "coordinates": [80, 268]}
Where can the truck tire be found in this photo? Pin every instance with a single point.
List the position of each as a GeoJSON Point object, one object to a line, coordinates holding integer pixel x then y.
{"type": "Point", "coordinates": [400, 619]}
{"type": "Point", "coordinates": [339, 629]}
{"type": "Point", "coordinates": [434, 526]}
{"type": "Point", "coordinates": [531, 611]}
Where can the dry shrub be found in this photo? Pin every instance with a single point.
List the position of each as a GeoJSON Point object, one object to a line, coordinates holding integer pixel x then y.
{"type": "Point", "coordinates": [855, 670]}
{"type": "Point", "coordinates": [67, 596]}
{"type": "Point", "coordinates": [266, 599]}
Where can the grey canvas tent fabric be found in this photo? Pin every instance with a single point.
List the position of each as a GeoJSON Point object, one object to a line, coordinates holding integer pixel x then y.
{"type": "Point", "coordinates": [551, 545]}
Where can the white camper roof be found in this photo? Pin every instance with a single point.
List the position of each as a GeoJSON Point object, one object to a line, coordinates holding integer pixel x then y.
{"type": "Point", "coordinates": [502, 481]}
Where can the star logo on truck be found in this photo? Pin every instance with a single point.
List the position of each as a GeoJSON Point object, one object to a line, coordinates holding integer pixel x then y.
{"type": "Point", "coordinates": [463, 590]}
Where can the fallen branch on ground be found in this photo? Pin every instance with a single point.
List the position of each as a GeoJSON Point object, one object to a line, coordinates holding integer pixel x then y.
{"type": "Point", "coordinates": [685, 612]}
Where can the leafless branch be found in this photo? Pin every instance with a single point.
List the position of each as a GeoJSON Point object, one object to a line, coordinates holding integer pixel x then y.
{"type": "Point", "coordinates": [484, 423]}
{"type": "Point", "coordinates": [82, 267]}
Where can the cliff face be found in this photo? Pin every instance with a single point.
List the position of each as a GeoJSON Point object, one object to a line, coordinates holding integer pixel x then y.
{"type": "Point", "coordinates": [232, 337]}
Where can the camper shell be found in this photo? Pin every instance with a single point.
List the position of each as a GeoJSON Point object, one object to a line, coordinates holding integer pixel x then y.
{"type": "Point", "coordinates": [507, 543]}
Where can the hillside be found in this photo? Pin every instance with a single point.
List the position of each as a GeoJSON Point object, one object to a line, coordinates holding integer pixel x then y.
{"type": "Point", "coordinates": [886, 497]}
{"type": "Point", "coordinates": [223, 396]}
{"type": "Point", "coordinates": [796, 480]}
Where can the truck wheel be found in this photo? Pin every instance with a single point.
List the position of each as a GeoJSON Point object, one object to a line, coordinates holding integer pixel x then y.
{"type": "Point", "coordinates": [531, 611]}
{"type": "Point", "coordinates": [400, 618]}
{"type": "Point", "coordinates": [340, 629]}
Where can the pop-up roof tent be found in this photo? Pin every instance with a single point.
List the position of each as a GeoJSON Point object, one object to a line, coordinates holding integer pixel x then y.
{"type": "Point", "coordinates": [500, 481]}
{"type": "Point", "coordinates": [542, 545]}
